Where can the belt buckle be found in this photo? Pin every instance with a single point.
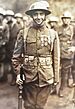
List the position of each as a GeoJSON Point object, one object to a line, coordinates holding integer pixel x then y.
{"type": "Point", "coordinates": [42, 60]}
{"type": "Point", "coordinates": [26, 59]}
{"type": "Point", "coordinates": [48, 60]}
{"type": "Point", "coordinates": [31, 58]}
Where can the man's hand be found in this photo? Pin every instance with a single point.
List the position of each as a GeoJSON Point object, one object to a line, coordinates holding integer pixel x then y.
{"type": "Point", "coordinates": [19, 80]}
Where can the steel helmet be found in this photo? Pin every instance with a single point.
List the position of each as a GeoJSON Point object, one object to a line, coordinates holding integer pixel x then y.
{"type": "Point", "coordinates": [2, 11]}
{"type": "Point", "coordinates": [45, 3]}
{"type": "Point", "coordinates": [25, 18]}
{"type": "Point", "coordinates": [38, 6]}
{"type": "Point", "coordinates": [66, 14]}
{"type": "Point", "coordinates": [53, 19]}
{"type": "Point", "coordinates": [18, 15]}
{"type": "Point", "coordinates": [9, 13]}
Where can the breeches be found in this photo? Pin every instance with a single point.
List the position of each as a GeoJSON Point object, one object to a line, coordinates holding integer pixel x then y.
{"type": "Point", "coordinates": [35, 97]}
{"type": "Point", "coordinates": [66, 65]}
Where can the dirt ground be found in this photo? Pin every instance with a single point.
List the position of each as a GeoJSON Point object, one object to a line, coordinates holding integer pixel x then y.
{"type": "Point", "coordinates": [9, 98]}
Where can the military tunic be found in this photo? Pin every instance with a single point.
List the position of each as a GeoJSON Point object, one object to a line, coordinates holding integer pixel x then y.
{"type": "Point", "coordinates": [40, 64]}
{"type": "Point", "coordinates": [4, 38]}
{"type": "Point", "coordinates": [66, 41]}
{"type": "Point", "coordinates": [13, 31]}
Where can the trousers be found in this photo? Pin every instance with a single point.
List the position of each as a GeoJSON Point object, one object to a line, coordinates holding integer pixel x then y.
{"type": "Point", "coordinates": [35, 97]}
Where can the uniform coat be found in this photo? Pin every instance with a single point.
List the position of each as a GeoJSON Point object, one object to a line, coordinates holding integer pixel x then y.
{"type": "Point", "coordinates": [40, 62]}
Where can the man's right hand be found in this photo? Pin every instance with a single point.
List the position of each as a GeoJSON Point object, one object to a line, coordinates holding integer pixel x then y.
{"type": "Point", "coordinates": [19, 80]}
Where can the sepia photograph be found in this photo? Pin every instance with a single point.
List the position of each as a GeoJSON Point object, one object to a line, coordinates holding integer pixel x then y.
{"type": "Point", "coordinates": [37, 54]}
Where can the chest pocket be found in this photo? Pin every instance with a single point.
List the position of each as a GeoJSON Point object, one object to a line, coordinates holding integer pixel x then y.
{"type": "Point", "coordinates": [30, 45]}
{"type": "Point", "coordinates": [41, 44]}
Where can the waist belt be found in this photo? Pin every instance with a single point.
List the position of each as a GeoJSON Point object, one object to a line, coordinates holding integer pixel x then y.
{"type": "Point", "coordinates": [45, 61]}
{"type": "Point", "coordinates": [42, 60]}
{"type": "Point", "coordinates": [28, 58]}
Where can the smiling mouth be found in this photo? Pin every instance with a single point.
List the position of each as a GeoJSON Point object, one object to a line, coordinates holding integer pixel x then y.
{"type": "Point", "coordinates": [39, 21]}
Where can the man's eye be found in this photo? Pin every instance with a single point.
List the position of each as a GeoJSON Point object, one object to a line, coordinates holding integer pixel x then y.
{"type": "Point", "coordinates": [41, 13]}
{"type": "Point", "coordinates": [35, 14]}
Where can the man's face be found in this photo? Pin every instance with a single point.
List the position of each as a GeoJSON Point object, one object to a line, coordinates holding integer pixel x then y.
{"type": "Point", "coordinates": [9, 18]}
{"type": "Point", "coordinates": [19, 19]}
{"type": "Point", "coordinates": [38, 17]}
{"type": "Point", "coordinates": [66, 20]}
{"type": "Point", "coordinates": [53, 23]}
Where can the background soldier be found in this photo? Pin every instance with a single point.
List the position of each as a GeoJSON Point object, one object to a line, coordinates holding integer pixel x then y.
{"type": "Point", "coordinates": [73, 67]}
{"type": "Point", "coordinates": [27, 21]}
{"type": "Point", "coordinates": [53, 22]}
{"type": "Point", "coordinates": [19, 20]}
{"type": "Point", "coordinates": [66, 50]}
{"type": "Point", "coordinates": [13, 31]}
{"type": "Point", "coordinates": [41, 58]}
{"type": "Point", "coordinates": [4, 38]}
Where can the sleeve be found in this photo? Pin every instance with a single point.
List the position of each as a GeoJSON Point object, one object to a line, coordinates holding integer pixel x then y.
{"type": "Point", "coordinates": [6, 33]}
{"type": "Point", "coordinates": [73, 39]}
{"type": "Point", "coordinates": [17, 58]}
{"type": "Point", "coordinates": [56, 58]}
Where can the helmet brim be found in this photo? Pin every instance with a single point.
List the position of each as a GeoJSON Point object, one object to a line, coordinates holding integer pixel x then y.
{"type": "Point", "coordinates": [65, 17]}
{"type": "Point", "coordinates": [31, 12]}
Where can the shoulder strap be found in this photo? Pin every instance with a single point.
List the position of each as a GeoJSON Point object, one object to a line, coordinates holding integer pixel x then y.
{"type": "Point", "coordinates": [51, 37]}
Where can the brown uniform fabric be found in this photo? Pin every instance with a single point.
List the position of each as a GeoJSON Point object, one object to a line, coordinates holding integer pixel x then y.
{"type": "Point", "coordinates": [65, 72]}
{"type": "Point", "coordinates": [34, 96]}
{"type": "Point", "coordinates": [73, 67]}
{"type": "Point", "coordinates": [66, 41]}
{"type": "Point", "coordinates": [40, 64]}
{"type": "Point", "coordinates": [4, 38]}
{"type": "Point", "coordinates": [30, 53]}
{"type": "Point", "coordinates": [13, 31]}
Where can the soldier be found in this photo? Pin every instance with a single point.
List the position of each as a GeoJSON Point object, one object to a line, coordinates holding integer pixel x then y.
{"type": "Point", "coordinates": [13, 31]}
{"type": "Point", "coordinates": [53, 22]}
{"type": "Point", "coordinates": [66, 49]}
{"type": "Point", "coordinates": [4, 38]}
{"type": "Point", "coordinates": [73, 67]}
{"type": "Point", "coordinates": [40, 61]}
{"type": "Point", "coordinates": [19, 20]}
{"type": "Point", "coordinates": [26, 21]}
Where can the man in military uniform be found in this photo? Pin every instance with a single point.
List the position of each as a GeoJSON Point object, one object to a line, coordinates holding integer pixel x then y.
{"type": "Point", "coordinates": [53, 22]}
{"type": "Point", "coordinates": [4, 38]}
{"type": "Point", "coordinates": [41, 58]}
{"type": "Point", "coordinates": [73, 67]}
{"type": "Point", "coordinates": [19, 20]}
{"type": "Point", "coordinates": [66, 49]}
{"type": "Point", "coordinates": [13, 31]}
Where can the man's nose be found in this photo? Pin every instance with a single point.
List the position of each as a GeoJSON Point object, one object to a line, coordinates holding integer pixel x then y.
{"type": "Point", "coordinates": [39, 16]}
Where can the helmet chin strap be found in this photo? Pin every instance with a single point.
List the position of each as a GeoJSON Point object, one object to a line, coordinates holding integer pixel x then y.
{"type": "Point", "coordinates": [1, 20]}
{"type": "Point", "coordinates": [39, 25]}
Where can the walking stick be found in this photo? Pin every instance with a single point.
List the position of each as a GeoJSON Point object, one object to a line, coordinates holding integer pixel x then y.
{"type": "Point", "coordinates": [20, 97]}
{"type": "Point", "coordinates": [20, 89]}
{"type": "Point", "coordinates": [74, 97]}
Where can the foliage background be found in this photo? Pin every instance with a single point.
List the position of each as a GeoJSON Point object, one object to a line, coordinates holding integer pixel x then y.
{"type": "Point", "coordinates": [57, 6]}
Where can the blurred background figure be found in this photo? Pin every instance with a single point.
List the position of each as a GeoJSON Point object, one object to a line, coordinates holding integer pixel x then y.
{"type": "Point", "coordinates": [73, 67]}
{"type": "Point", "coordinates": [4, 38]}
{"type": "Point", "coordinates": [19, 20]}
{"type": "Point", "coordinates": [13, 31]}
{"type": "Point", "coordinates": [53, 22]}
{"type": "Point", "coordinates": [66, 52]}
{"type": "Point", "coordinates": [26, 21]}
